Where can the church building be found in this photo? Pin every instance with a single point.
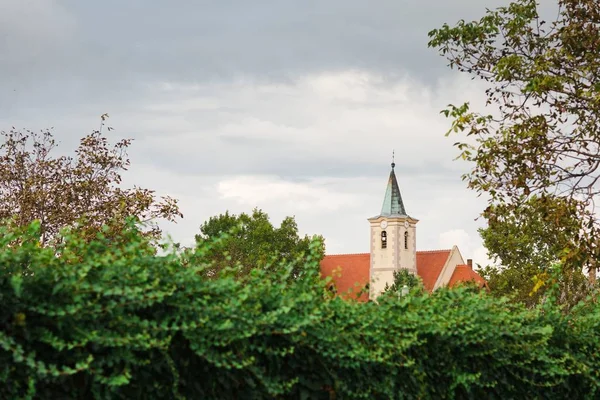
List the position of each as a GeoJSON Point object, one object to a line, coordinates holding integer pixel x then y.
{"type": "Point", "coordinates": [393, 247]}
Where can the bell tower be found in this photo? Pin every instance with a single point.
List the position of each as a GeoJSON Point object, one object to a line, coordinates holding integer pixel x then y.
{"type": "Point", "coordinates": [393, 239]}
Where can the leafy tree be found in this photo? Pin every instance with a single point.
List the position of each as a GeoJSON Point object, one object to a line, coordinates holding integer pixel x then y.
{"type": "Point", "coordinates": [527, 241]}
{"type": "Point", "coordinates": [248, 241]}
{"type": "Point", "coordinates": [404, 278]}
{"type": "Point", "coordinates": [529, 285]}
{"type": "Point", "coordinates": [537, 155]}
{"type": "Point", "coordinates": [80, 192]}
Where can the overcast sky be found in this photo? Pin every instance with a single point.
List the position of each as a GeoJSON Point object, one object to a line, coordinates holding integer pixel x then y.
{"type": "Point", "coordinates": [290, 106]}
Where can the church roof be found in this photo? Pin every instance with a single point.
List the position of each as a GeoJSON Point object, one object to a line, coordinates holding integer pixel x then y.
{"type": "Point", "coordinates": [465, 273]}
{"type": "Point", "coordinates": [350, 272]}
{"type": "Point", "coordinates": [392, 202]}
{"type": "Point", "coordinates": [430, 265]}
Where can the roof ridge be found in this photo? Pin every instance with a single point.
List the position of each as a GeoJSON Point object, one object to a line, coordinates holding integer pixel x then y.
{"type": "Point", "coordinates": [364, 254]}
{"type": "Point", "coordinates": [433, 251]}
{"type": "Point", "coordinates": [347, 254]}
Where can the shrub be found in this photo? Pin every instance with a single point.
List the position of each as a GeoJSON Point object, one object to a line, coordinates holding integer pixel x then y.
{"type": "Point", "coordinates": [104, 320]}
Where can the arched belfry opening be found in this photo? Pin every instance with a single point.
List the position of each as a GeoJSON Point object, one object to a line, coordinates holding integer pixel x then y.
{"type": "Point", "coordinates": [393, 239]}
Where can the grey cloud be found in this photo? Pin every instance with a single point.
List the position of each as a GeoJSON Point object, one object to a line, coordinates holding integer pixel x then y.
{"type": "Point", "coordinates": [245, 155]}
{"type": "Point", "coordinates": [66, 62]}
{"type": "Point", "coordinates": [118, 41]}
{"type": "Point", "coordinates": [74, 52]}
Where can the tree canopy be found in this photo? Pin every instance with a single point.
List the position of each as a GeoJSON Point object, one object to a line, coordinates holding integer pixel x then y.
{"type": "Point", "coordinates": [528, 241]}
{"type": "Point", "coordinates": [247, 241]}
{"type": "Point", "coordinates": [536, 155]}
{"type": "Point", "coordinates": [81, 192]}
{"type": "Point", "coordinates": [403, 278]}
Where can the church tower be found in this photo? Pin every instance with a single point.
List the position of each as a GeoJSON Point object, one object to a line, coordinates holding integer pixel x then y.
{"type": "Point", "coordinates": [393, 239]}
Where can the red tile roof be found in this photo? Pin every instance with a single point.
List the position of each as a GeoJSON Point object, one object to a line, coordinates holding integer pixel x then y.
{"type": "Point", "coordinates": [350, 272]}
{"type": "Point", "coordinates": [353, 270]}
{"type": "Point", "coordinates": [464, 273]}
{"type": "Point", "coordinates": [429, 266]}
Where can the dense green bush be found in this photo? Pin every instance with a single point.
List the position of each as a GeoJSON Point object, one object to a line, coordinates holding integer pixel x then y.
{"type": "Point", "coordinates": [106, 320]}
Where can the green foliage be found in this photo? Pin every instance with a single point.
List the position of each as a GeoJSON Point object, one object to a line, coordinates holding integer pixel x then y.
{"type": "Point", "coordinates": [537, 155]}
{"type": "Point", "coordinates": [527, 240]}
{"type": "Point", "coordinates": [105, 321]}
{"type": "Point", "coordinates": [403, 278]}
{"type": "Point", "coordinates": [529, 285]}
{"type": "Point", "coordinates": [241, 243]}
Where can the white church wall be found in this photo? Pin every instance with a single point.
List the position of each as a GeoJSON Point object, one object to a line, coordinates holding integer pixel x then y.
{"type": "Point", "coordinates": [384, 261]}
{"type": "Point", "coordinates": [454, 259]}
{"type": "Point", "coordinates": [378, 281]}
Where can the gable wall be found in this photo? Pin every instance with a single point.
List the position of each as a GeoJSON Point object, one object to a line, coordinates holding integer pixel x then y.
{"type": "Point", "coordinates": [454, 259]}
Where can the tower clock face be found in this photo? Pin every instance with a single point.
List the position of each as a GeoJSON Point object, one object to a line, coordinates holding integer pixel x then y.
{"type": "Point", "coordinates": [406, 224]}
{"type": "Point", "coordinates": [383, 224]}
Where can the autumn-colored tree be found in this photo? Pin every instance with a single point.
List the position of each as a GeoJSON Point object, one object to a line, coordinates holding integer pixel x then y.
{"type": "Point", "coordinates": [247, 241]}
{"type": "Point", "coordinates": [81, 192]}
{"type": "Point", "coordinates": [540, 145]}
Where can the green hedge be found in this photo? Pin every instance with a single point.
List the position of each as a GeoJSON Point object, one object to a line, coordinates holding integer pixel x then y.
{"type": "Point", "coordinates": [106, 320]}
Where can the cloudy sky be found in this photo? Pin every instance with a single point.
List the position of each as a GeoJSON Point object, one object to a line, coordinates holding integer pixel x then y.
{"type": "Point", "coordinates": [290, 106]}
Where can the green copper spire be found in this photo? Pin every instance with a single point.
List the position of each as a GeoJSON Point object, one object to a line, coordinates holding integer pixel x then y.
{"type": "Point", "coordinates": [392, 203]}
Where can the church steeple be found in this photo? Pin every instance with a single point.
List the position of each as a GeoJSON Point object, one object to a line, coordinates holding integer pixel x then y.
{"type": "Point", "coordinates": [393, 239]}
{"type": "Point", "coordinates": [392, 202]}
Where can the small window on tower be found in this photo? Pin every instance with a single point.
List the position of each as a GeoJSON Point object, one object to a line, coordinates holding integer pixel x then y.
{"type": "Point", "coordinates": [406, 240]}
{"type": "Point", "coordinates": [383, 239]}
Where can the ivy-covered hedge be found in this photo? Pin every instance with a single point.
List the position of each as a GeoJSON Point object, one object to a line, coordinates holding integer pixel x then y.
{"type": "Point", "coordinates": [106, 320]}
